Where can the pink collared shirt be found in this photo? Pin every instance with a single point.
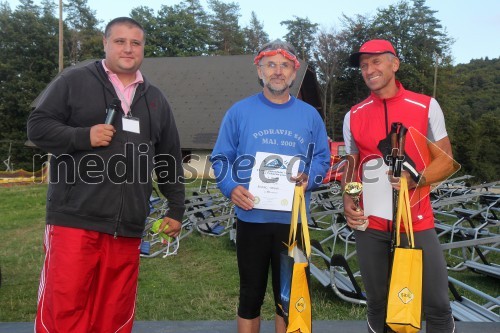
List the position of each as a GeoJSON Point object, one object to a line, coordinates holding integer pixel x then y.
{"type": "Point", "coordinates": [126, 94]}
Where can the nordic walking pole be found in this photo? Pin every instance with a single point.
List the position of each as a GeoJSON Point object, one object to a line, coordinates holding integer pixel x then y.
{"type": "Point", "coordinates": [394, 173]}
{"type": "Point", "coordinates": [393, 136]}
{"type": "Point", "coordinates": [401, 140]}
{"type": "Point", "coordinates": [398, 140]}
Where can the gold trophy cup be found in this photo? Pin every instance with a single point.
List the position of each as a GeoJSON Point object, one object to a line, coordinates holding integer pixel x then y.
{"type": "Point", "coordinates": [354, 189]}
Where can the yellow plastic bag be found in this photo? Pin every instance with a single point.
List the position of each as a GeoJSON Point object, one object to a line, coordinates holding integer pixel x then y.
{"type": "Point", "coordinates": [295, 277]}
{"type": "Point", "coordinates": [404, 301]}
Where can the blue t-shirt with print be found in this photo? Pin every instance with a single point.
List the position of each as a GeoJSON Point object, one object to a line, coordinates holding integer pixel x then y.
{"type": "Point", "coordinates": [256, 124]}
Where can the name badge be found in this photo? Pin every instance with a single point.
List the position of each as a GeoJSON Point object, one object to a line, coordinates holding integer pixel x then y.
{"type": "Point", "coordinates": [131, 124]}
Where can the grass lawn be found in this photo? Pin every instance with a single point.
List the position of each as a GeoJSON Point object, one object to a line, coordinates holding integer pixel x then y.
{"type": "Point", "coordinates": [199, 283]}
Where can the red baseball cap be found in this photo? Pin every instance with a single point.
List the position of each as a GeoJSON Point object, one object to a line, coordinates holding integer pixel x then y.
{"type": "Point", "coordinates": [374, 46]}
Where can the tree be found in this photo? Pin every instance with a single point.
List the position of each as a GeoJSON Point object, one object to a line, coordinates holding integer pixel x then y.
{"type": "Point", "coordinates": [417, 36]}
{"type": "Point", "coordinates": [180, 30]}
{"type": "Point", "coordinates": [28, 44]}
{"type": "Point", "coordinates": [301, 34]}
{"type": "Point", "coordinates": [489, 141]}
{"type": "Point", "coordinates": [326, 58]}
{"type": "Point", "coordinates": [471, 100]}
{"type": "Point", "coordinates": [146, 17]}
{"type": "Point", "coordinates": [467, 93]}
{"type": "Point", "coordinates": [347, 87]}
{"type": "Point", "coordinates": [227, 36]}
{"type": "Point", "coordinates": [466, 143]}
{"type": "Point", "coordinates": [355, 31]}
{"type": "Point", "coordinates": [254, 34]}
{"type": "Point", "coordinates": [84, 38]}
{"type": "Point", "coordinates": [202, 32]}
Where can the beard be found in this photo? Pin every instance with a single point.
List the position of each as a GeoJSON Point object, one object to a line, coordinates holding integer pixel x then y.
{"type": "Point", "coordinates": [278, 92]}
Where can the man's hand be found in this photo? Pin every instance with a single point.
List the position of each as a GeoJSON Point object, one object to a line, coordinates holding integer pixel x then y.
{"type": "Point", "coordinates": [101, 135]}
{"type": "Point", "coordinates": [301, 180]}
{"type": "Point", "coordinates": [173, 227]}
{"type": "Point", "coordinates": [354, 217]}
{"type": "Point", "coordinates": [242, 198]}
{"type": "Point", "coordinates": [396, 182]}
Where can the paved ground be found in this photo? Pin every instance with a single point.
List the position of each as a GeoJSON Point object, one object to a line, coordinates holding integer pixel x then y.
{"type": "Point", "coordinates": [342, 326]}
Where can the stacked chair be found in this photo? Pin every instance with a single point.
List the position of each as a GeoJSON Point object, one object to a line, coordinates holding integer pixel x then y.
{"type": "Point", "coordinates": [467, 221]}
{"type": "Point", "coordinates": [468, 225]}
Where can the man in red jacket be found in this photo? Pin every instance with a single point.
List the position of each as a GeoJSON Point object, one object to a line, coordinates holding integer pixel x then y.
{"type": "Point", "coordinates": [366, 125]}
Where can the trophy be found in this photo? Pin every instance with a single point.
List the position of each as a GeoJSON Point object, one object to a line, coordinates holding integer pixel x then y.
{"type": "Point", "coordinates": [354, 189]}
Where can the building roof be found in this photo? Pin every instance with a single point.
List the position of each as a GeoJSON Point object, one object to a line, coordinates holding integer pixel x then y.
{"type": "Point", "coordinates": [201, 89]}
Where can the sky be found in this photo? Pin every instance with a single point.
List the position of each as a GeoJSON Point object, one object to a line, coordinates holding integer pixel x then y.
{"type": "Point", "coordinates": [474, 25]}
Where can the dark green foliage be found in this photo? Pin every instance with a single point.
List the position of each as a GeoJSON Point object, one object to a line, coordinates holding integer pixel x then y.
{"type": "Point", "coordinates": [301, 34]}
{"type": "Point", "coordinates": [227, 36]}
{"type": "Point", "coordinates": [28, 44]}
{"type": "Point", "coordinates": [255, 35]}
{"type": "Point", "coordinates": [468, 94]}
{"type": "Point", "coordinates": [82, 37]}
{"type": "Point", "coordinates": [475, 117]}
{"type": "Point", "coordinates": [179, 30]}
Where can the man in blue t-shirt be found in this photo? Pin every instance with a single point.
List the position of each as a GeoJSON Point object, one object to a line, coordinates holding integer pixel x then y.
{"type": "Point", "coordinates": [281, 128]}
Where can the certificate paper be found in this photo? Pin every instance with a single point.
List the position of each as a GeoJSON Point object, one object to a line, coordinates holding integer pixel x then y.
{"type": "Point", "coordinates": [270, 183]}
{"type": "Point", "coordinates": [377, 190]}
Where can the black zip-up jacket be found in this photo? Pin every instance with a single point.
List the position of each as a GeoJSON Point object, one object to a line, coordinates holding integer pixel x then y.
{"type": "Point", "coordinates": [106, 189]}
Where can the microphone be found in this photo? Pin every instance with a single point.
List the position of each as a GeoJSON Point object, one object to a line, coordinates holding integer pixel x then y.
{"type": "Point", "coordinates": [112, 110]}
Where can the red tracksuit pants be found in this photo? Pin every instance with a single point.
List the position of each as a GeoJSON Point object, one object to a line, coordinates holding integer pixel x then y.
{"type": "Point", "coordinates": [88, 282]}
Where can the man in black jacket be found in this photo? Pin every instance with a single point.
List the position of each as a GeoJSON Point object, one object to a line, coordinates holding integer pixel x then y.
{"type": "Point", "coordinates": [100, 183]}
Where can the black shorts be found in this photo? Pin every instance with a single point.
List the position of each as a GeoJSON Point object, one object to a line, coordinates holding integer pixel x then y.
{"type": "Point", "coordinates": [257, 246]}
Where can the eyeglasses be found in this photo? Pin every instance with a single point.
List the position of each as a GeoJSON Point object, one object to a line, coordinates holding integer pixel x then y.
{"type": "Point", "coordinates": [272, 66]}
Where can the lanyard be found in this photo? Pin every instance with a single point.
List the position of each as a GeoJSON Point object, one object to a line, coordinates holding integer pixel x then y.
{"type": "Point", "coordinates": [123, 99]}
